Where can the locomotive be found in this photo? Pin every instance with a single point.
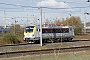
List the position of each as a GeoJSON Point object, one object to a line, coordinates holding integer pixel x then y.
{"type": "Point", "coordinates": [32, 33]}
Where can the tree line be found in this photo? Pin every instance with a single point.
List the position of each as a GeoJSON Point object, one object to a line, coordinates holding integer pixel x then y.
{"type": "Point", "coordinates": [73, 21]}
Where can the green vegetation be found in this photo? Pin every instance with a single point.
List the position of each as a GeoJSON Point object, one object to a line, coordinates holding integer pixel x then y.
{"type": "Point", "coordinates": [10, 38]}
{"type": "Point", "coordinates": [15, 35]}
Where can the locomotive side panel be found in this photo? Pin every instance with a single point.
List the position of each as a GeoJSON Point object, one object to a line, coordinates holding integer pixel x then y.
{"type": "Point", "coordinates": [32, 33]}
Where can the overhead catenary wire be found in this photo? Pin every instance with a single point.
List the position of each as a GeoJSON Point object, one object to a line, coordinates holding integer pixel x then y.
{"type": "Point", "coordinates": [39, 7]}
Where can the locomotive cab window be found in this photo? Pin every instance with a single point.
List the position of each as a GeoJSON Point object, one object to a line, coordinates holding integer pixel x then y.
{"type": "Point", "coordinates": [29, 30]}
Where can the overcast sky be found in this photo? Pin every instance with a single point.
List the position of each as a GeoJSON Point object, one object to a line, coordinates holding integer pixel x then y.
{"type": "Point", "coordinates": [55, 9]}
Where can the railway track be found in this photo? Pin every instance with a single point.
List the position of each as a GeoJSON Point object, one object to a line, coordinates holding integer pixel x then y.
{"type": "Point", "coordinates": [43, 51]}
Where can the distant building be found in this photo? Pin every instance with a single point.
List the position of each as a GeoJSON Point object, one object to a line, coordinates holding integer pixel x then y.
{"type": "Point", "coordinates": [88, 29]}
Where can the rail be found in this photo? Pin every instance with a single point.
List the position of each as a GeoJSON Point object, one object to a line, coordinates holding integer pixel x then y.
{"type": "Point", "coordinates": [43, 51]}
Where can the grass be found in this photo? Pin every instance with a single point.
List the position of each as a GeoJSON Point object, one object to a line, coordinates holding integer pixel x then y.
{"type": "Point", "coordinates": [83, 55]}
{"type": "Point", "coordinates": [83, 36]}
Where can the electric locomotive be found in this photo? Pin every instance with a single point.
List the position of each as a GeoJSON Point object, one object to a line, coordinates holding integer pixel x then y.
{"type": "Point", "coordinates": [32, 33]}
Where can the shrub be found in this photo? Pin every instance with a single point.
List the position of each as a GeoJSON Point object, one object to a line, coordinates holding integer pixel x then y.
{"type": "Point", "coordinates": [10, 39]}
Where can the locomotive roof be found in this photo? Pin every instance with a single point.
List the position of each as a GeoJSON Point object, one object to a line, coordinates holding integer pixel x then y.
{"type": "Point", "coordinates": [51, 27]}
{"type": "Point", "coordinates": [56, 27]}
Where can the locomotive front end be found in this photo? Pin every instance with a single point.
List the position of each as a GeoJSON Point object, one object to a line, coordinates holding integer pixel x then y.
{"type": "Point", "coordinates": [29, 33]}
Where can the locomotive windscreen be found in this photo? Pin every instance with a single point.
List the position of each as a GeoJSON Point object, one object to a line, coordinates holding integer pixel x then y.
{"type": "Point", "coordinates": [29, 28]}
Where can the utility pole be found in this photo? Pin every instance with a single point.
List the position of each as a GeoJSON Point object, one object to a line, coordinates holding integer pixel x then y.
{"type": "Point", "coordinates": [85, 21]}
{"type": "Point", "coordinates": [15, 26]}
{"type": "Point", "coordinates": [27, 21]}
{"type": "Point", "coordinates": [44, 17]}
{"type": "Point", "coordinates": [85, 13]}
{"type": "Point", "coordinates": [4, 19]}
{"type": "Point", "coordinates": [44, 20]}
{"type": "Point", "coordinates": [35, 21]}
{"type": "Point", "coordinates": [85, 24]}
{"type": "Point", "coordinates": [41, 26]}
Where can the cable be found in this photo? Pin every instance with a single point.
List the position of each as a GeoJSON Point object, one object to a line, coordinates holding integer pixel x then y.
{"type": "Point", "coordinates": [9, 4]}
{"type": "Point", "coordinates": [42, 7]}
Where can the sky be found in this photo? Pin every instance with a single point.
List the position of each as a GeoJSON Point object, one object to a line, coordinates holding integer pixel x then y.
{"type": "Point", "coordinates": [28, 11]}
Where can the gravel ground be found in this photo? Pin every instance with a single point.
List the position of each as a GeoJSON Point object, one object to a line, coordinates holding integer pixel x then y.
{"type": "Point", "coordinates": [29, 47]}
